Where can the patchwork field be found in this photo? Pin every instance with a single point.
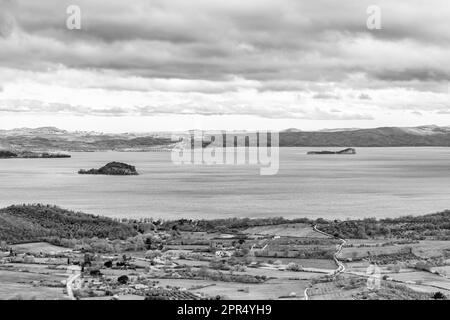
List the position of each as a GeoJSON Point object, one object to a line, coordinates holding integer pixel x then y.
{"type": "Point", "coordinates": [272, 289]}
{"type": "Point", "coordinates": [21, 285]}
{"type": "Point", "coordinates": [420, 281]}
{"type": "Point", "coordinates": [444, 271]}
{"type": "Point", "coordinates": [328, 291]}
{"type": "Point", "coordinates": [362, 252]}
{"type": "Point", "coordinates": [306, 263]}
{"type": "Point", "coordinates": [38, 247]}
{"type": "Point", "coordinates": [259, 265]}
{"type": "Point", "coordinates": [432, 249]}
{"type": "Point", "coordinates": [423, 249]}
{"type": "Point", "coordinates": [422, 278]}
{"type": "Point", "coordinates": [302, 230]}
{"type": "Point", "coordinates": [279, 274]}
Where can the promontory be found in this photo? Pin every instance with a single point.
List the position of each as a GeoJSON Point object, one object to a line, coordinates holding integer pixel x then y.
{"type": "Point", "coordinates": [6, 154]}
{"type": "Point", "coordinates": [345, 151]}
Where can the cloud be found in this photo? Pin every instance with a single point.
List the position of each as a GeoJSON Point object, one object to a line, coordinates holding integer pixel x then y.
{"type": "Point", "coordinates": [364, 96]}
{"type": "Point", "coordinates": [267, 58]}
{"type": "Point", "coordinates": [333, 115]}
{"type": "Point", "coordinates": [326, 95]}
{"type": "Point", "coordinates": [260, 40]}
{"type": "Point", "coordinates": [7, 19]}
{"type": "Point", "coordinates": [40, 107]}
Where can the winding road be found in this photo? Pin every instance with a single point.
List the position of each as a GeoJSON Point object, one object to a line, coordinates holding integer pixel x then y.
{"type": "Point", "coordinates": [69, 283]}
{"type": "Point", "coordinates": [341, 266]}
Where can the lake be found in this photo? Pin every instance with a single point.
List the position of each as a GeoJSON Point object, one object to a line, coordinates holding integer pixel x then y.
{"type": "Point", "coordinates": [376, 182]}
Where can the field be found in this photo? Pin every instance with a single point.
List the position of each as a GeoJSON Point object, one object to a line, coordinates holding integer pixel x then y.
{"type": "Point", "coordinates": [328, 291]}
{"type": "Point", "coordinates": [301, 230]}
{"type": "Point", "coordinates": [21, 285]}
{"type": "Point", "coordinates": [279, 274]}
{"type": "Point", "coordinates": [198, 235]}
{"type": "Point", "coordinates": [191, 263]}
{"type": "Point", "coordinates": [444, 271]}
{"type": "Point", "coordinates": [424, 249]}
{"type": "Point", "coordinates": [38, 247]}
{"type": "Point", "coordinates": [362, 252]}
{"type": "Point", "coordinates": [360, 268]}
{"type": "Point", "coordinates": [432, 249]}
{"type": "Point", "coordinates": [306, 263]}
{"type": "Point", "coordinates": [422, 278]}
{"type": "Point", "coordinates": [420, 281]}
{"type": "Point", "coordinates": [368, 242]}
{"type": "Point", "coordinates": [272, 289]}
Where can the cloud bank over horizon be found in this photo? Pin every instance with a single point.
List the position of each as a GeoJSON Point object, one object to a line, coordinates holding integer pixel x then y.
{"type": "Point", "coordinates": [240, 65]}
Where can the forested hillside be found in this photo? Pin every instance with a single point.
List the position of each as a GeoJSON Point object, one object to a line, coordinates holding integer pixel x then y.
{"type": "Point", "coordinates": [36, 222]}
{"type": "Point", "coordinates": [435, 226]}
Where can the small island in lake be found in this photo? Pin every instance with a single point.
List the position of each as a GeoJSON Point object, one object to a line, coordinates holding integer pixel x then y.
{"type": "Point", "coordinates": [6, 154]}
{"type": "Point", "coordinates": [114, 169]}
{"type": "Point", "coordinates": [345, 151]}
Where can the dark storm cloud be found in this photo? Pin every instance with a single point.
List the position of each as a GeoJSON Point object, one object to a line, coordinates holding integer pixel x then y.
{"type": "Point", "coordinates": [269, 58]}
{"type": "Point", "coordinates": [421, 74]}
{"type": "Point", "coordinates": [264, 40]}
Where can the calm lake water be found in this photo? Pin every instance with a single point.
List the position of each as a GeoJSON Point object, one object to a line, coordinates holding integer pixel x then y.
{"type": "Point", "coordinates": [376, 182]}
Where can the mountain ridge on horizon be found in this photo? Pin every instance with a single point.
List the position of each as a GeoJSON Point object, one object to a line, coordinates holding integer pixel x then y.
{"type": "Point", "coordinates": [55, 139]}
{"type": "Point", "coordinates": [56, 130]}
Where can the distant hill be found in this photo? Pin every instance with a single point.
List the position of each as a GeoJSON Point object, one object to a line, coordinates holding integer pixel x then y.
{"type": "Point", "coordinates": [26, 223]}
{"type": "Point", "coordinates": [378, 137]}
{"type": "Point", "coordinates": [54, 139]}
{"type": "Point", "coordinates": [423, 136]}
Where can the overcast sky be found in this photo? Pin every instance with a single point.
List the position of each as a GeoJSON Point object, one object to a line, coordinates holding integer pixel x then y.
{"type": "Point", "coordinates": [146, 65]}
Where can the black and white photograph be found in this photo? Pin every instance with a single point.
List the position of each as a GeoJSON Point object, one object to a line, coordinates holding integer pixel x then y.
{"type": "Point", "coordinates": [204, 150]}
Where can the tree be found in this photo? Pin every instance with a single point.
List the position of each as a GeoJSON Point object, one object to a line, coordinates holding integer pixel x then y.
{"type": "Point", "coordinates": [148, 243]}
{"type": "Point", "coordinates": [395, 268]}
{"type": "Point", "coordinates": [123, 279]}
{"type": "Point", "coordinates": [423, 265]}
{"type": "Point", "coordinates": [151, 254]}
{"type": "Point", "coordinates": [95, 273]}
{"type": "Point", "coordinates": [439, 296]}
{"type": "Point", "coordinates": [294, 267]}
{"type": "Point", "coordinates": [3, 245]}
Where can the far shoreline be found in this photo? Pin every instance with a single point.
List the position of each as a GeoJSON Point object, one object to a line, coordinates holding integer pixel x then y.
{"type": "Point", "coordinates": [215, 218]}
